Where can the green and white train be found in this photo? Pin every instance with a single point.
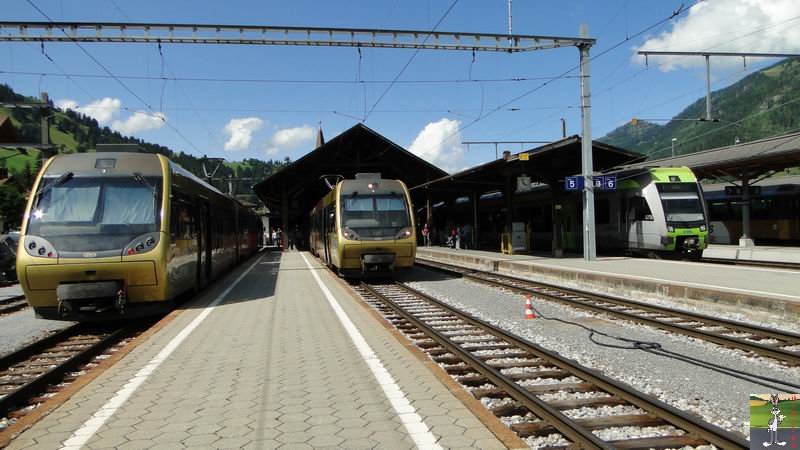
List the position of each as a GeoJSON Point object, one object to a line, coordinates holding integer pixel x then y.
{"type": "Point", "coordinates": [656, 211]}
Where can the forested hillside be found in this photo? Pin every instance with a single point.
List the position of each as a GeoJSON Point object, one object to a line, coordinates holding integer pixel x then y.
{"type": "Point", "coordinates": [768, 100]}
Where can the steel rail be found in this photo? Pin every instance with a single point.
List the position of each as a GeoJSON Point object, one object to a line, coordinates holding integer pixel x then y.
{"type": "Point", "coordinates": [754, 263]}
{"type": "Point", "coordinates": [12, 304]}
{"type": "Point", "coordinates": [17, 397]}
{"type": "Point", "coordinates": [568, 296]}
{"type": "Point", "coordinates": [672, 415]}
{"type": "Point", "coordinates": [566, 426]}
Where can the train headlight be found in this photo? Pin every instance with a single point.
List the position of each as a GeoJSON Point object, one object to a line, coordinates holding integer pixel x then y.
{"type": "Point", "coordinates": [670, 228]}
{"type": "Point", "coordinates": [142, 244]}
{"type": "Point", "coordinates": [36, 246]}
{"type": "Point", "coordinates": [703, 227]}
{"type": "Point", "coordinates": [405, 233]}
{"type": "Point", "coordinates": [349, 234]}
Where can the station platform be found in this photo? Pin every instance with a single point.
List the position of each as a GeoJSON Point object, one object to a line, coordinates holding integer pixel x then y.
{"type": "Point", "coordinates": [761, 293]}
{"type": "Point", "coordinates": [759, 253]}
{"type": "Point", "coordinates": [276, 354]}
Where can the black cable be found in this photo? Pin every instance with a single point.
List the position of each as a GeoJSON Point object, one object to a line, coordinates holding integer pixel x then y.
{"type": "Point", "coordinates": [164, 84]}
{"type": "Point", "coordinates": [427, 36]}
{"type": "Point", "coordinates": [656, 348]}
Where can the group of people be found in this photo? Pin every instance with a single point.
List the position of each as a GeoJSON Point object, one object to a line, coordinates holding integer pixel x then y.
{"type": "Point", "coordinates": [293, 238]}
{"type": "Point", "coordinates": [459, 237]}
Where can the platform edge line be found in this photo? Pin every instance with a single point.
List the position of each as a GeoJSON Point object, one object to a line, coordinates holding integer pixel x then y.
{"type": "Point", "coordinates": [82, 435]}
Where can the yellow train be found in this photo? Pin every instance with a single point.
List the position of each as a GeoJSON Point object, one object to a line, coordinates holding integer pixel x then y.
{"type": "Point", "coordinates": [122, 234]}
{"type": "Point", "coordinates": [365, 226]}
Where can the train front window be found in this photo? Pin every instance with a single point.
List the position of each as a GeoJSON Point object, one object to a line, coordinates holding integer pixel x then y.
{"type": "Point", "coordinates": [95, 214]}
{"type": "Point", "coordinates": [682, 208]}
{"type": "Point", "coordinates": [681, 202]}
{"type": "Point", "coordinates": [375, 216]}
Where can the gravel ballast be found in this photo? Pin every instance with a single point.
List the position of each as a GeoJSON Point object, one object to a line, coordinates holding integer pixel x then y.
{"type": "Point", "coordinates": [718, 398]}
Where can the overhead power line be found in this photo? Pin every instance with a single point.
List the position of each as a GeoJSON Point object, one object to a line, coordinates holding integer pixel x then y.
{"type": "Point", "coordinates": [106, 70]}
{"type": "Point", "coordinates": [413, 55]}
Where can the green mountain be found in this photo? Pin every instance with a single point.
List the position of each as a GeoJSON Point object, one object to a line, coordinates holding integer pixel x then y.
{"type": "Point", "coordinates": [758, 98]}
{"type": "Point", "coordinates": [72, 132]}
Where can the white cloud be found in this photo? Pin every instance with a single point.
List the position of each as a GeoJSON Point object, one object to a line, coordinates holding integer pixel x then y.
{"type": "Point", "coordinates": [103, 110]}
{"type": "Point", "coordinates": [66, 103]}
{"type": "Point", "coordinates": [241, 132]}
{"type": "Point", "coordinates": [729, 25]}
{"type": "Point", "coordinates": [290, 139]}
{"type": "Point", "coordinates": [138, 122]}
{"type": "Point", "coordinates": [440, 143]}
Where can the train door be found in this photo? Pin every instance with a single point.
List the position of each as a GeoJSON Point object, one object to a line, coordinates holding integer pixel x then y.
{"type": "Point", "coordinates": [638, 213]}
{"type": "Point", "coordinates": [203, 244]}
{"type": "Point", "coordinates": [326, 221]}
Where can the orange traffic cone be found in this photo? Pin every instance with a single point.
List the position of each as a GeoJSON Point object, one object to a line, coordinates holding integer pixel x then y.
{"type": "Point", "coordinates": [529, 314]}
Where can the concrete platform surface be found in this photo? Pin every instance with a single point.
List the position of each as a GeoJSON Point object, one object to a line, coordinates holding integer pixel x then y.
{"type": "Point", "coordinates": [264, 360]}
{"type": "Point", "coordinates": [763, 253]}
{"type": "Point", "coordinates": [774, 291]}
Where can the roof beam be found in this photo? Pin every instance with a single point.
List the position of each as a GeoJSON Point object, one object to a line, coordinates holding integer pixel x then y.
{"type": "Point", "coordinates": [176, 33]}
{"type": "Point", "coordinates": [740, 54]}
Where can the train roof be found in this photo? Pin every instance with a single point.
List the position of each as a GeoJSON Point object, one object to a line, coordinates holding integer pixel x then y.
{"type": "Point", "coordinates": [788, 185]}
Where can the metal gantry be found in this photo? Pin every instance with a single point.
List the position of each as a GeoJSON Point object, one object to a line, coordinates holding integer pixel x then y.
{"type": "Point", "coordinates": [173, 33]}
{"type": "Point", "coordinates": [275, 35]}
{"type": "Point", "coordinates": [707, 56]}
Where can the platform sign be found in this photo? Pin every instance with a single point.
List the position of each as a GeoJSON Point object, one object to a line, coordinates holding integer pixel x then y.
{"type": "Point", "coordinates": [609, 183]}
{"type": "Point", "coordinates": [734, 191]}
{"type": "Point", "coordinates": [573, 183]}
{"type": "Point", "coordinates": [523, 157]}
{"type": "Point", "coordinates": [599, 182]}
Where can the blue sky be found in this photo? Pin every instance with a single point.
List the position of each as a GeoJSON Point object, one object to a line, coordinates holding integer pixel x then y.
{"type": "Point", "coordinates": [236, 120]}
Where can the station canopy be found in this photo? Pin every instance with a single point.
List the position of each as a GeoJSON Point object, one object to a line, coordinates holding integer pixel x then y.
{"type": "Point", "coordinates": [294, 190]}
{"type": "Point", "coordinates": [549, 164]}
{"type": "Point", "coordinates": [749, 159]}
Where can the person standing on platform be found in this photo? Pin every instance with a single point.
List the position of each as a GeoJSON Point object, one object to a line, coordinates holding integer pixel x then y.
{"type": "Point", "coordinates": [297, 237]}
{"type": "Point", "coordinates": [290, 237]}
{"type": "Point", "coordinates": [466, 236]}
{"type": "Point", "coordinates": [426, 238]}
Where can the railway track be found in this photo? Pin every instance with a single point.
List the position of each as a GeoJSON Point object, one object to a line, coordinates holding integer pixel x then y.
{"type": "Point", "coordinates": [754, 263]}
{"type": "Point", "coordinates": [541, 394]}
{"type": "Point", "coordinates": [32, 374]}
{"type": "Point", "coordinates": [780, 345]}
{"type": "Point", "coordinates": [12, 304]}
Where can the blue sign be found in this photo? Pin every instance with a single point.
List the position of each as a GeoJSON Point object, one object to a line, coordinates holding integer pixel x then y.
{"type": "Point", "coordinates": [599, 182]}
{"type": "Point", "coordinates": [573, 184]}
{"type": "Point", "coordinates": [610, 183]}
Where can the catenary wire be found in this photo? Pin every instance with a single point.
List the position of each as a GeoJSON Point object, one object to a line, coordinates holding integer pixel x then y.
{"type": "Point", "coordinates": [105, 69]}
{"type": "Point", "coordinates": [427, 36]}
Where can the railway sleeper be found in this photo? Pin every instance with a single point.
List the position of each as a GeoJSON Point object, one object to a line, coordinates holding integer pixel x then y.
{"type": "Point", "coordinates": [479, 380]}
{"type": "Point", "coordinates": [561, 405]}
{"type": "Point", "coordinates": [542, 389]}
{"type": "Point", "coordinates": [659, 442]}
{"type": "Point", "coordinates": [534, 429]}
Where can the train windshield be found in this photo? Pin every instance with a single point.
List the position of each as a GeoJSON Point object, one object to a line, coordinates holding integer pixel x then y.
{"type": "Point", "coordinates": [681, 202]}
{"type": "Point", "coordinates": [95, 214]}
{"type": "Point", "coordinates": [375, 216]}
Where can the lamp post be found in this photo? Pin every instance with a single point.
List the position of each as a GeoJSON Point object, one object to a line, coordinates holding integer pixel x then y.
{"type": "Point", "coordinates": [673, 146]}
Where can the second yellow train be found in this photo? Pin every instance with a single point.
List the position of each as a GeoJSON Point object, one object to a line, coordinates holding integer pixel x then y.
{"type": "Point", "coordinates": [364, 226]}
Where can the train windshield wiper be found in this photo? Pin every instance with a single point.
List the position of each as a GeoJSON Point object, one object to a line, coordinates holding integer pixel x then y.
{"type": "Point", "coordinates": [141, 179]}
{"type": "Point", "coordinates": [60, 180]}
